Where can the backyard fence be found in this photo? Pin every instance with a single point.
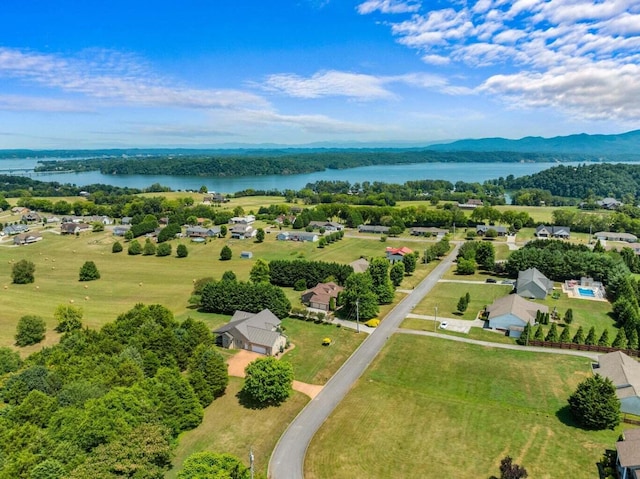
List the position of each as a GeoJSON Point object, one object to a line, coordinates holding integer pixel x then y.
{"type": "Point", "coordinates": [583, 347]}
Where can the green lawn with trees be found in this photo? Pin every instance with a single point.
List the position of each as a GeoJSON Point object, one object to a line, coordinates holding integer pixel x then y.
{"type": "Point", "coordinates": [453, 410]}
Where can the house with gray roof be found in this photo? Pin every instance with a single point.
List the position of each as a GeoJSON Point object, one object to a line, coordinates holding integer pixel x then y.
{"type": "Point", "coordinates": [421, 231]}
{"type": "Point", "coordinates": [511, 313]}
{"type": "Point", "coordinates": [628, 462]}
{"type": "Point", "coordinates": [533, 284]}
{"type": "Point", "coordinates": [373, 229]}
{"type": "Point", "coordinates": [200, 232]}
{"type": "Point", "coordinates": [298, 236]}
{"type": "Point", "coordinates": [562, 232]}
{"type": "Point", "coordinates": [624, 372]}
{"type": "Point", "coordinates": [257, 332]}
{"type": "Point", "coordinates": [15, 229]}
{"type": "Point", "coordinates": [613, 236]}
{"type": "Point", "coordinates": [482, 229]}
{"type": "Point", "coordinates": [326, 225]}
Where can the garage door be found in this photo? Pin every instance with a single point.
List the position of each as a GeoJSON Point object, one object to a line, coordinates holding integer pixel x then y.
{"type": "Point", "coordinates": [258, 349]}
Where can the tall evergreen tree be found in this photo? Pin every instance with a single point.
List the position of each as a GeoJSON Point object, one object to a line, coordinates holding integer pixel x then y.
{"type": "Point", "coordinates": [552, 335]}
{"type": "Point", "coordinates": [565, 336]}
{"type": "Point", "coordinates": [620, 342]}
{"type": "Point", "coordinates": [539, 335]}
{"type": "Point", "coordinates": [590, 340]}
{"type": "Point", "coordinates": [604, 338]}
{"type": "Point", "coordinates": [578, 338]}
{"type": "Point", "coordinates": [633, 339]}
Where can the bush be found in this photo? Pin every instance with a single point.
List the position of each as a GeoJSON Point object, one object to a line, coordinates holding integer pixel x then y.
{"type": "Point", "coordinates": [89, 271]}
{"type": "Point", "coordinates": [134, 248]}
{"type": "Point", "coordinates": [117, 247]}
{"type": "Point", "coordinates": [268, 381]}
{"type": "Point", "coordinates": [181, 251]}
{"type": "Point", "coordinates": [595, 405]}
{"type": "Point", "coordinates": [23, 272]}
{"type": "Point", "coordinates": [164, 249]}
{"type": "Point", "coordinates": [69, 318]}
{"type": "Point", "coordinates": [30, 330]}
{"type": "Point", "coordinates": [225, 253]}
{"type": "Point", "coordinates": [300, 285]}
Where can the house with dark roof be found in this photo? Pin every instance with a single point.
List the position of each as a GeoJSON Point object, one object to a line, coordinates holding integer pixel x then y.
{"type": "Point", "coordinates": [533, 284]}
{"type": "Point", "coordinates": [628, 462]}
{"type": "Point", "coordinates": [319, 297]}
{"type": "Point", "coordinates": [31, 217]}
{"type": "Point", "coordinates": [624, 373]}
{"type": "Point", "coordinates": [562, 232]}
{"type": "Point", "coordinates": [74, 228]}
{"type": "Point", "coordinates": [609, 203]}
{"type": "Point", "coordinates": [242, 231]}
{"type": "Point", "coordinates": [511, 313]}
{"type": "Point", "coordinates": [257, 332]}
{"type": "Point", "coordinates": [15, 229]}
{"type": "Point", "coordinates": [397, 254]}
{"type": "Point", "coordinates": [26, 238]}
{"type": "Point", "coordinates": [200, 232]}
{"type": "Point", "coordinates": [327, 225]}
{"type": "Point", "coordinates": [373, 229]}
{"type": "Point", "coordinates": [612, 236]}
{"type": "Point", "coordinates": [121, 230]}
{"type": "Point", "coordinates": [481, 230]}
{"type": "Point", "coordinates": [421, 231]}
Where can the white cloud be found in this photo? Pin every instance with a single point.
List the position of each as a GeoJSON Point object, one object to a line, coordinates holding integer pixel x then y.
{"type": "Point", "coordinates": [27, 103]}
{"type": "Point", "coordinates": [388, 6]}
{"type": "Point", "coordinates": [110, 77]}
{"type": "Point", "coordinates": [356, 86]}
{"type": "Point", "coordinates": [554, 44]}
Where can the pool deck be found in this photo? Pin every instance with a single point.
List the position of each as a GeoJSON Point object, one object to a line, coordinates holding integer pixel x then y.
{"type": "Point", "coordinates": [572, 292]}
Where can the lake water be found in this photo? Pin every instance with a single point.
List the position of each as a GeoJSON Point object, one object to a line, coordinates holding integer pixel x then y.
{"type": "Point", "coordinates": [468, 172]}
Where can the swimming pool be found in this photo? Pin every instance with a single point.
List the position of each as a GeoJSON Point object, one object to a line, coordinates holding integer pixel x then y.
{"type": "Point", "coordinates": [587, 292]}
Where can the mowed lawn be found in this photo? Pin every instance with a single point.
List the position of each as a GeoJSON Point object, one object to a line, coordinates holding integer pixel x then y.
{"type": "Point", "coordinates": [232, 428]}
{"type": "Point", "coordinates": [446, 296]}
{"type": "Point", "coordinates": [127, 280]}
{"type": "Point", "coordinates": [430, 408]}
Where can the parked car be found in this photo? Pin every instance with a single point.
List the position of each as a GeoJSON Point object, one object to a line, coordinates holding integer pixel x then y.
{"type": "Point", "coordinates": [491, 280]}
{"type": "Point", "coordinates": [444, 324]}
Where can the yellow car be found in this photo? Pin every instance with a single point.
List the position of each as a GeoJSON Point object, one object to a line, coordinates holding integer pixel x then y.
{"type": "Point", "coordinates": [327, 342]}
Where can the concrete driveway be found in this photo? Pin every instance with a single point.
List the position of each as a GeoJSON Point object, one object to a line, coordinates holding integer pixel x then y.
{"type": "Point", "coordinates": [453, 324]}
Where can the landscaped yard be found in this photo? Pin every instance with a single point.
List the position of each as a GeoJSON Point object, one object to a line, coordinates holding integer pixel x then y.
{"type": "Point", "coordinates": [474, 333]}
{"type": "Point", "coordinates": [230, 427]}
{"type": "Point", "coordinates": [430, 408]}
{"type": "Point", "coordinates": [446, 295]}
{"type": "Point", "coordinates": [312, 362]}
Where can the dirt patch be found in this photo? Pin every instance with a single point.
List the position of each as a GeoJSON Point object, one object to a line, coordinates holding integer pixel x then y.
{"type": "Point", "coordinates": [239, 361]}
{"type": "Point", "coordinates": [311, 390]}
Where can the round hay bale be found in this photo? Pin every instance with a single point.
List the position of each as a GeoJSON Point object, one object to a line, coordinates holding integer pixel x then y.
{"type": "Point", "coordinates": [86, 286]}
{"type": "Point", "coordinates": [86, 298]}
{"type": "Point", "coordinates": [71, 301]}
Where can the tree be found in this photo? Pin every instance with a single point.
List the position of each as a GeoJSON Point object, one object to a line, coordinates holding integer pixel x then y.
{"type": "Point", "coordinates": [48, 469]}
{"type": "Point", "coordinates": [410, 261]}
{"type": "Point", "coordinates": [300, 285]}
{"type": "Point", "coordinates": [604, 339]}
{"type": "Point", "coordinates": [260, 272]}
{"type": "Point", "coordinates": [223, 231]}
{"type": "Point", "coordinates": [164, 249]}
{"type": "Point", "coordinates": [358, 297]}
{"type": "Point", "coordinates": [117, 247]}
{"type": "Point", "coordinates": [229, 276]}
{"type": "Point", "coordinates": [462, 304]}
{"type": "Point", "coordinates": [225, 253]}
{"type": "Point", "coordinates": [211, 465]}
{"type": "Point", "coordinates": [396, 273]}
{"type": "Point", "coordinates": [491, 234]}
{"type": "Point", "coordinates": [382, 285]}
{"type": "Point", "coordinates": [268, 381]}
{"type": "Point", "coordinates": [633, 339]}
{"type": "Point", "coordinates": [578, 338]}
{"type": "Point", "coordinates": [182, 251]}
{"type": "Point", "coordinates": [128, 236]}
{"type": "Point", "coordinates": [598, 248]}
{"type": "Point", "coordinates": [30, 330]}
{"type": "Point", "coordinates": [207, 374]}
{"type": "Point", "coordinates": [134, 248]}
{"type": "Point", "coordinates": [539, 334]}
{"type": "Point", "coordinates": [486, 255]}
{"type": "Point", "coordinates": [23, 272]}
{"type": "Point", "coordinates": [590, 340]}
{"type": "Point", "coordinates": [594, 403]}
{"type": "Point", "coordinates": [620, 342]}
{"type": "Point", "coordinates": [509, 470]}
{"type": "Point", "coordinates": [9, 360]}
{"type": "Point", "coordinates": [524, 338]}
{"type": "Point", "coordinates": [466, 266]}
{"type": "Point", "coordinates": [568, 316]}
{"type": "Point", "coordinates": [149, 248]}
{"type": "Point", "coordinates": [97, 227]}
{"type": "Point", "coordinates": [565, 337]}
{"type": "Point", "coordinates": [552, 334]}
{"type": "Point", "coordinates": [69, 318]}
{"type": "Point", "coordinates": [89, 271]}
{"type": "Point", "coordinates": [260, 235]}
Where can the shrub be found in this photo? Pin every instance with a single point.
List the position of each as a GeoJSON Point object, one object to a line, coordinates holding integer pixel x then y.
{"type": "Point", "coordinates": [181, 251]}
{"type": "Point", "coordinates": [30, 330]}
{"type": "Point", "coordinates": [300, 285]}
{"type": "Point", "coordinates": [23, 272]}
{"type": "Point", "coordinates": [117, 247]}
{"type": "Point", "coordinates": [225, 253]}
{"type": "Point", "coordinates": [89, 271]}
{"type": "Point", "coordinates": [134, 248]}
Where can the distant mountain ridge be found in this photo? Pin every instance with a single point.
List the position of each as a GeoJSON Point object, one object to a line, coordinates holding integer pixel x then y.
{"type": "Point", "coordinates": [619, 144]}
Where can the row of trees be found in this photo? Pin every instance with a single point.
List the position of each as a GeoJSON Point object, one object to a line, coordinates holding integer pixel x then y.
{"type": "Point", "coordinates": [228, 296]}
{"type": "Point", "coordinates": [621, 341]}
{"type": "Point", "coordinates": [288, 272]}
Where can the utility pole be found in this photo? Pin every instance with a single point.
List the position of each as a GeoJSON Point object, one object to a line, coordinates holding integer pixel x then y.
{"type": "Point", "coordinates": [357, 315]}
{"type": "Point", "coordinates": [251, 461]}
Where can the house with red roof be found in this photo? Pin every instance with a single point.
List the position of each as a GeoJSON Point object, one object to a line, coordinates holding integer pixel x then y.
{"type": "Point", "coordinates": [397, 254]}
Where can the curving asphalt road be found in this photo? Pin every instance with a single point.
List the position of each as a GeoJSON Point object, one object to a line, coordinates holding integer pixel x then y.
{"type": "Point", "coordinates": [287, 459]}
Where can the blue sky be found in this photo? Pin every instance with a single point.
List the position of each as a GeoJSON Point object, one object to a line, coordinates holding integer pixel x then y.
{"type": "Point", "coordinates": [89, 74]}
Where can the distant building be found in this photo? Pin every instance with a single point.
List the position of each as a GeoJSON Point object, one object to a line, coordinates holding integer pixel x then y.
{"type": "Point", "coordinates": [373, 229]}
{"type": "Point", "coordinates": [561, 232]}
{"type": "Point", "coordinates": [437, 232]}
{"type": "Point", "coordinates": [481, 230]}
{"type": "Point", "coordinates": [471, 204]}
{"type": "Point", "coordinates": [298, 236]}
{"type": "Point", "coordinates": [611, 236]}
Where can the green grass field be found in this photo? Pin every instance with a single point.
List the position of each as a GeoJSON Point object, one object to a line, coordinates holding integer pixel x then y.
{"type": "Point", "coordinates": [230, 427]}
{"type": "Point", "coordinates": [430, 408]}
{"type": "Point", "coordinates": [474, 333]}
{"type": "Point", "coordinates": [446, 296]}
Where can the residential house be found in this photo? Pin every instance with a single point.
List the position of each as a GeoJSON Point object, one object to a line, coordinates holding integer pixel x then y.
{"type": "Point", "coordinates": [360, 265]}
{"type": "Point", "coordinates": [628, 462]}
{"type": "Point", "coordinates": [511, 313]}
{"type": "Point", "coordinates": [214, 198]}
{"type": "Point", "coordinates": [200, 232]}
{"type": "Point", "coordinates": [126, 220]}
{"type": "Point", "coordinates": [327, 225]}
{"type": "Point", "coordinates": [319, 297]}
{"type": "Point", "coordinates": [624, 372]}
{"type": "Point", "coordinates": [74, 228]}
{"type": "Point", "coordinates": [105, 220]}
{"type": "Point", "coordinates": [53, 219]}
{"type": "Point", "coordinates": [373, 229]}
{"type": "Point", "coordinates": [121, 230]}
{"type": "Point", "coordinates": [397, 254]}
{"type": "Point", "coordinates": [609, 203]}
{"type": "Point", "coordinates": [437, 232]}
{"type": "Point", "coordinates": [611, 236]}
{"type": "Point", "coordinates": [471, 204]}
{"type": "Point", "coordinates": [15, 229]}
{"type": "Point", "coordinates": [243, 220]}
{"type": "Point", "coordinates": [31, 217]}
{"type": "Point", "coordinates": [242, 231]}
{"type": "Point", "coordinates": [481, 230]}
{"type": "Point", "coordinates": [298, 236]}
{"type": "Point", "coordinates": [20, 210]}
{"type": "Point", "coordinates": [26, 238]}
{"type": "Point", "coordinates": [533, 284]}
{"type": "Point", "coordinates": [561, 232]}
{"type": "Point", "coordinates": [257, 332]}
{"type": "Point", "coordinates": [285, 219]}
{"type": "Point", "coordinates": [73, 219]}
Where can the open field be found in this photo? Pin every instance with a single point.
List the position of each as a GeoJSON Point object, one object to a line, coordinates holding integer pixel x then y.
{"type": "Point", "coordinates": [428, 408]}
{"type": "Point", "coordinates": [230, 427]}
{"type": "Point", "coordinates": [312, 362]}
{"type": "Point", "coordinates": [446, 295]}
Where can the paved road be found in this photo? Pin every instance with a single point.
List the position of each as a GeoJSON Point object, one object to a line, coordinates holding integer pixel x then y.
{"type": "Point", "coordinates": [515, 347]}
{"type": "Point", "coordinates": [287, 459]}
